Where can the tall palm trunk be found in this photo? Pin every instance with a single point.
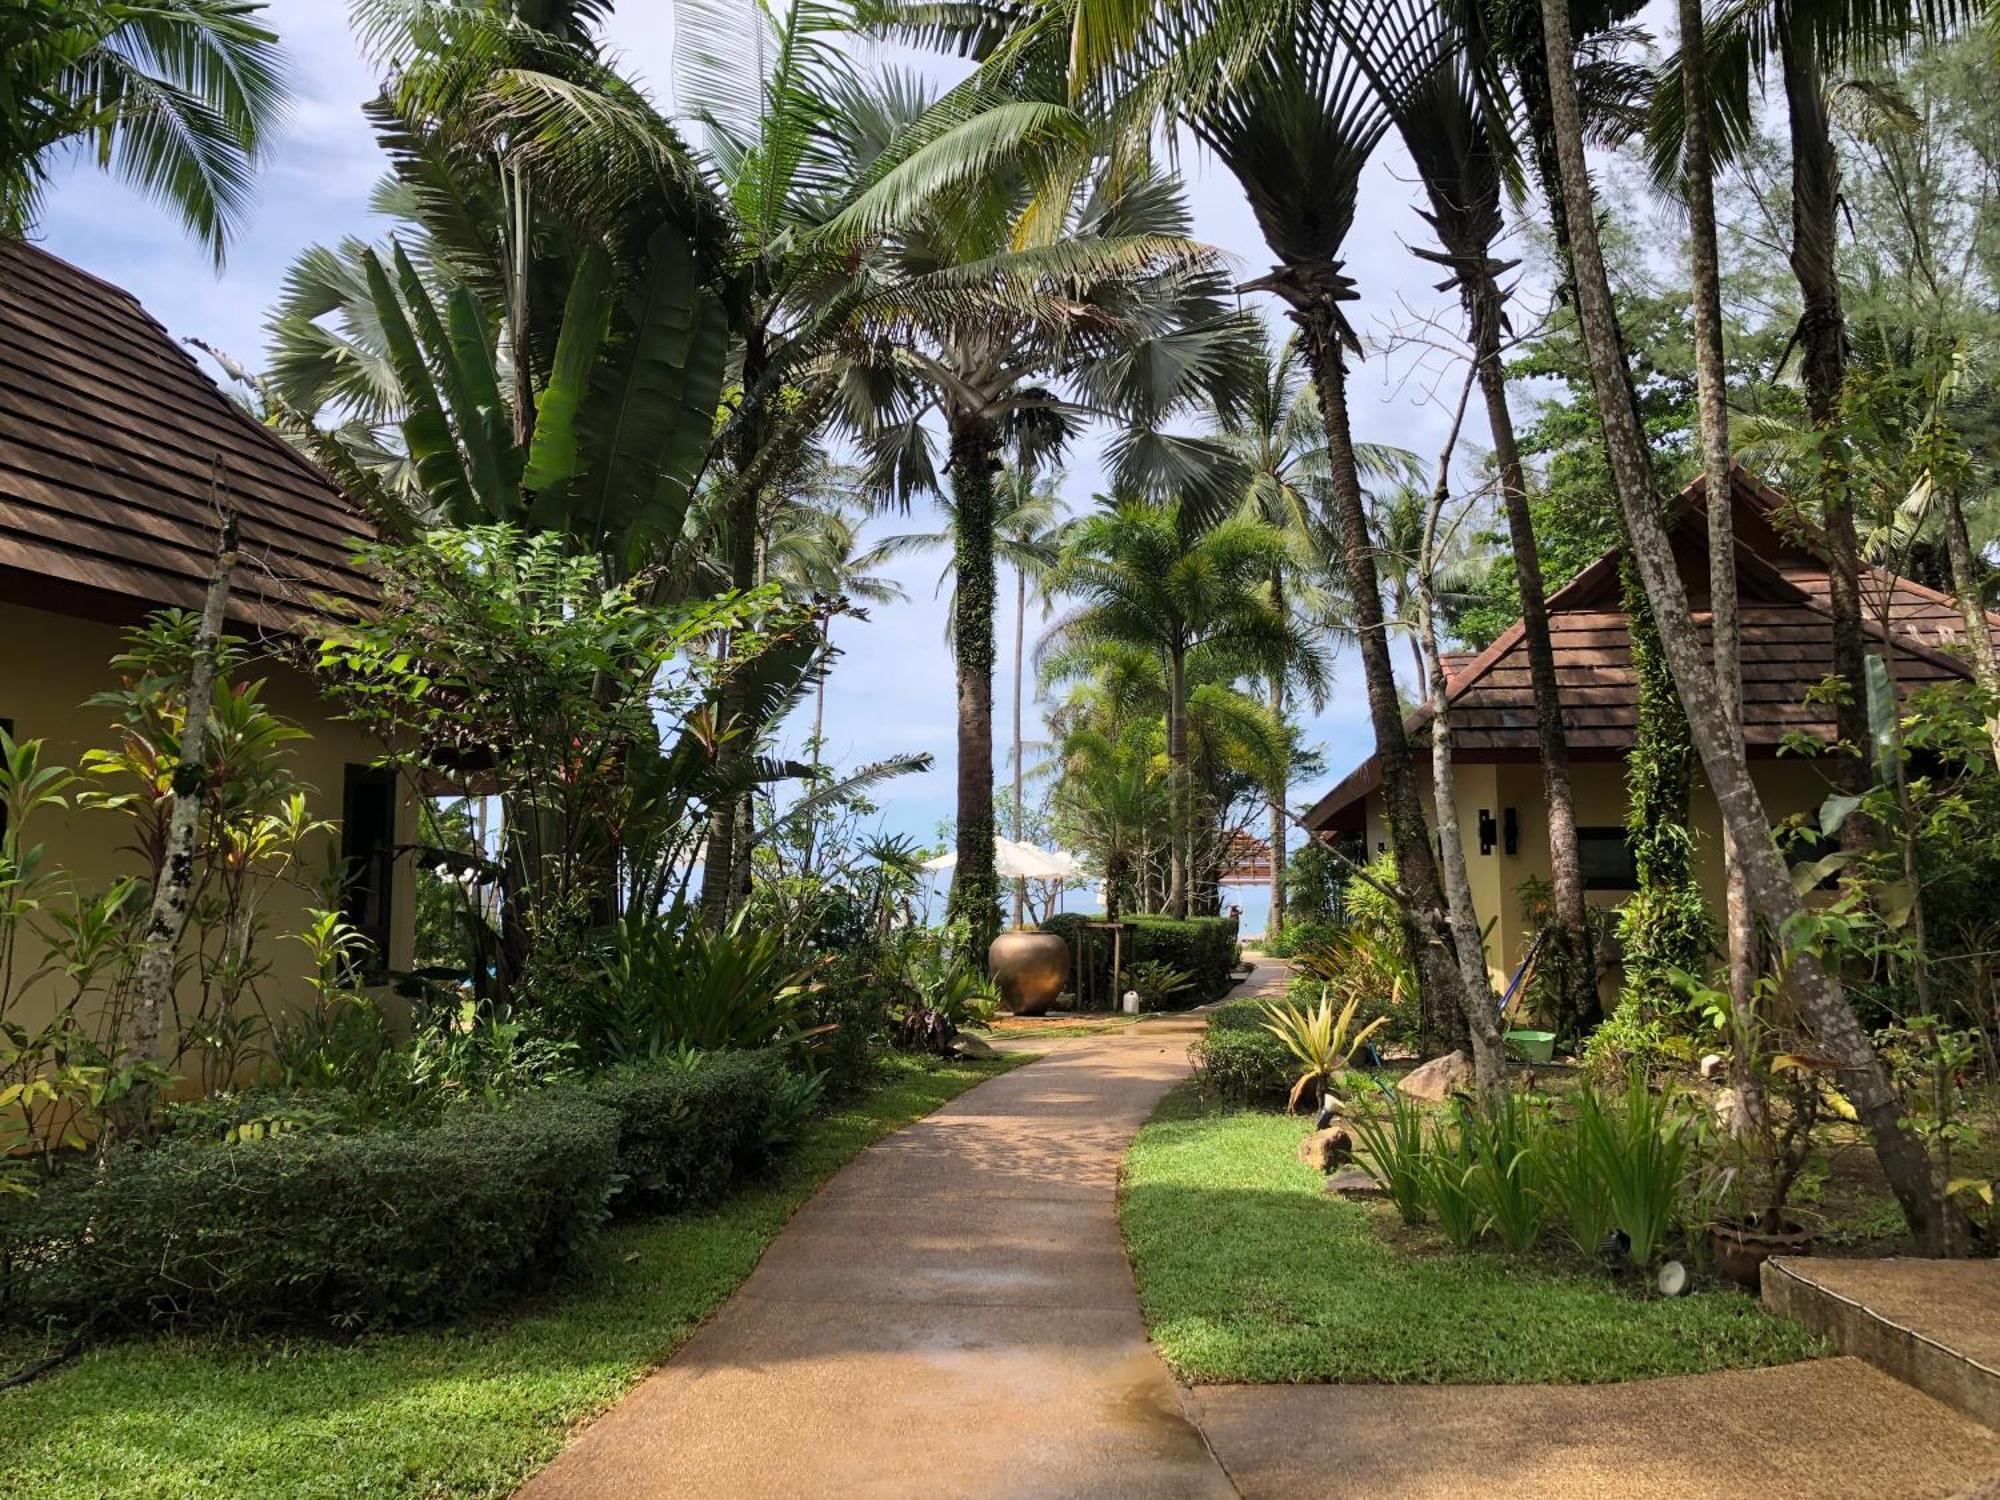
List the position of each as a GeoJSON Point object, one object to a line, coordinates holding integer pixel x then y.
{"type": "Point", "coordinates": [1866, 1081]}
{"type": "Point", "coordinates": [1739, 923]}
{"type": "Point", "coordinates": [1443, 1004]}
{"type": "Point", "coordinates": [1578, 960]}
{"type": "Point", "coordinates": [1179, 875]}
{"type": "Point", "coordinates": [1020, 651]}
{"type": "Point", "coordinates": [1823, 364]}
{"type": "Point", "coordinates": [1965, 584]}
{"type": "Point", "coordinates": [1280, 794]}
{"type": "Point", "coordinates": [975, 888]}
{"type": "Point", "coordinates": [727, 827]}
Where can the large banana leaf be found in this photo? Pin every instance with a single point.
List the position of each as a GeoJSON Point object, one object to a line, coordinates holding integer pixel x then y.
{"type": "Point", "coordinates": [646, 427]}
{"type": "Point", "coordinates": [427, 433]}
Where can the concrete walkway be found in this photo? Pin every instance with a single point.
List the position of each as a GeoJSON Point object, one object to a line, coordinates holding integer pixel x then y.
{"type": "Point", "coordinates": [952, 1315]}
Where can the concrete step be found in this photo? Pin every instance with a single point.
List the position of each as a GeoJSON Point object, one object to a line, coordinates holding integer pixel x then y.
{"type": "Point", "coordinates": [1933, 1324]}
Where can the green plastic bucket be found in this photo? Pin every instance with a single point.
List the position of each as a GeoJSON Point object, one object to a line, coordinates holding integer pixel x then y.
{"type": "Point", "coordinates": [1533, 1046]}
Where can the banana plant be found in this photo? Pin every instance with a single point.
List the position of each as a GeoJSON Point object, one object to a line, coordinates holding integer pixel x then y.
{"type": "Point", "coordinates": [621, 429]}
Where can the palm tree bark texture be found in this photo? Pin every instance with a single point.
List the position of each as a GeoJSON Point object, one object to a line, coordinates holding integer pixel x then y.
{"type": "Point", "coordinates": [1443, 997]}
{"type": "Point", "coordinates": [975, 887]}
{"type": "Point", "coordinates": [1823, 1004]}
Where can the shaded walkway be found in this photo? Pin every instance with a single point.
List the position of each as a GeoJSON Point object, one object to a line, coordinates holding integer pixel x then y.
{"type": "Point", "coordinates": [952, 1315]}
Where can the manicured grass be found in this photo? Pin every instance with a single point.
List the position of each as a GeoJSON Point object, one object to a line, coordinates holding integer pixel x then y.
{"type": "Point", "coordinates": [465, 1411]}
{"type": "Point", "coordinates": [1248, 1271]}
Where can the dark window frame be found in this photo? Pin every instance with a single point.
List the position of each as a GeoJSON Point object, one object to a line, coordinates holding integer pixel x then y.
{"type": "Point", "coordinates": [368, 858]}
{"type": "Point", "coordinates": [1623, 875]}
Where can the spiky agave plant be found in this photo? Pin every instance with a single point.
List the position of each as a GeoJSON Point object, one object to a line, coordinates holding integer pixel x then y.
{"type": "Point", "coordinates": [1321, 1042]}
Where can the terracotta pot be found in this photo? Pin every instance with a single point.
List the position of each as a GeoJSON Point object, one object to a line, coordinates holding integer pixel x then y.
{"type": "Point", "coordinates": [1739, 1252]}
{"type": "Point", "coordinates": [1031, 969]}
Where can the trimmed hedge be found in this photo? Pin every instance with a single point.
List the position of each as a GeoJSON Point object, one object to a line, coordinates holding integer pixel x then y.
{"type": "Point", "coordinates": [687, 1135]}
{"type": "Point", "coordinates": [377, 1229]}
{"type": "Point", "coordinates": [1202, 946]}
{"type": "Point", "coordinates": [1249, 1068]}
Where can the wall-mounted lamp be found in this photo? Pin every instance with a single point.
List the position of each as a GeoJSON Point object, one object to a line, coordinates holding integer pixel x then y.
{"type": "Point", "coordinates": [1488, 831]}
{"type": "Point", "coordinates": [1510, 832]}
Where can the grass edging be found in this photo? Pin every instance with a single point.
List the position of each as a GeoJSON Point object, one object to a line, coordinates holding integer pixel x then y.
{"type": "Point", "coordinates": [465, 1411]}
{"type": "Point", "coordinates": [1249, 1272]}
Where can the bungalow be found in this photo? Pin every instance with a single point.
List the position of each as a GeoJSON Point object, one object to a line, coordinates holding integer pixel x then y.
{"type": "Point", "coordinates": [114, 452]}
{"type": "Point", "coordinates": [1787, 649]}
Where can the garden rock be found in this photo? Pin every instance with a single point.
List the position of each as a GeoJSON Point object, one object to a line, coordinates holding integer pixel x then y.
{"type": "Point", "coordinates": [1440, 1078]}
{"type": "Point", "coordinates": [1327, 1150]}
{"type": "Point", "coordinates": [1712, 1064]}
{"type": "Point", "coordinates": [1354, 1182]}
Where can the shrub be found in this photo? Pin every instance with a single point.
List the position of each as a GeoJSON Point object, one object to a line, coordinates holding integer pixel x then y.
{"type": "Point", "coordinates": [1244, 1067]}
{"type": "Point", "coordinates": [374, 1229]}
{"type": "Point", "coordinates": [1393, 1138]}
{"type": "Point", "coordinates": [1640, 1153]}
{"type": "Point", "coordinates": [1302, 935]}
{"type": "Point", "coordinates": [688, 1129]}
{"type": "Point", "coordinates": [1203, 947]}
{"type": "Point", "coordinates": [1505, 1136]}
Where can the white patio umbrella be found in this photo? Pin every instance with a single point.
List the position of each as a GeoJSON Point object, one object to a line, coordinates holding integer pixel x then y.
{"type": "Point", "coordinates": [1012, 861]}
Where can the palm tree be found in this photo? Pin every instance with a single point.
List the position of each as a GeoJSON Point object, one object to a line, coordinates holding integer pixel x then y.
{"type": "Point", "coordinates": [1028, 517]}
{"type": "Point", "coordinates": [1817, 987]}
{"type": "Point", "coordinates": [1806, 43]}
{"type": "Point", "coordinates": [1010, 320]}
{"type": "Point", "coordinates": [177, 97]}
{"type": "Point", "coordinates": [1143, 579]}
{"type": "Point", "coordinates": [1427, 66]}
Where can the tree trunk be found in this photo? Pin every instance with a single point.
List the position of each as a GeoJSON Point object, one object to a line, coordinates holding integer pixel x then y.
{"type": "Point", "coordinates": [1822, 340]}
{"type": "Point", "coordinates": [1866, 1081]}
{"type": "Point", "coordinates": [1487, 1054]}
{"type": "Point", "coordinates": [1179, 875]}
{"type": "Point", "coordinates": [1442, 1001]}
{"type": "Point", "coordinates": [1577, 963]}
{"type": "Point", "coordinates": [1965, 584]}
{"type": "Point", "coordinates": [1020, 653]}
{"type": "Point", "coordinates": [720, 866]}
{"type": "Point", "coordinates": [975, 888]}
{"type": "Point", "coordinates": [1280, 792]}
{"type": "Point", "coordinates": [1711, 390]}
{"type": "Point", "coordinates": [173, 891]}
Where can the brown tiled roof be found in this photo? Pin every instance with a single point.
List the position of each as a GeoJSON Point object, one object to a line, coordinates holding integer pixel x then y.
{"type": "Point", "coordinates": [113, 448]}
{"type": "Point", "coordinates": [1787, 647]}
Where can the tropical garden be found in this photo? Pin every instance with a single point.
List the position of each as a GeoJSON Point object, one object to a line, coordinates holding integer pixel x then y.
{"type": "Point", "coordinates": [641, 401]}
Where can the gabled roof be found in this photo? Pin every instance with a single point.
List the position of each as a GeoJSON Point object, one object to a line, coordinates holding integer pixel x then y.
{"type": "Point", "coordinates": [114, 448]}
{"type": "Point", "coordinates": [1787, 647]}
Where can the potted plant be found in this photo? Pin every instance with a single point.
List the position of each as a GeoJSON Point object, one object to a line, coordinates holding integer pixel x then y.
{"type": "Point", "coordinates": [1769, 1118]}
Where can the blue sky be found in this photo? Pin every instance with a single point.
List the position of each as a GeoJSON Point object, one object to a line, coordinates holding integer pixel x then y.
{"type": "Point", "coordinates": [892, 691]}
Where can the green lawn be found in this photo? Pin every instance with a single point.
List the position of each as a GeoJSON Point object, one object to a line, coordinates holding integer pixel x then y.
{"type": "Point", "coordinates": [1249, 1272]}
{"type": "Point", "coordinates": [467, 1411]}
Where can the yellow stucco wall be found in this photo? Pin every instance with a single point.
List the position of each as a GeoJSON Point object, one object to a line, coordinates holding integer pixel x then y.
{"type": "Point", "coordinates": [1786, 785]}
{"type": "Point", "coordinates": [49, 666]}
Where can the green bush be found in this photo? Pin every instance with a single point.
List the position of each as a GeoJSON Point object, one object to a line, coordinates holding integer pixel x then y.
{"type": "Point", "coordinates": [1203, 947]}
{"type": "Point", "coordinates": [374, 1229]}
{"type": "Point", "coordinates": [1303, 935]}
{"type": "Point", "coordinates": [687, 1131]}
{"type": "Point", "coordinates": [1243, 1067]}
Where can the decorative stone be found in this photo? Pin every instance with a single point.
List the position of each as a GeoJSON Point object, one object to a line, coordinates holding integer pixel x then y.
{"type": "Point", "coordinates": [1327, 1150]}
{"type": "Point", "coordinates": [1440, 1078]}
{"type": "Point", "coordinates": [1031, 969]}
{"type": "Point", "coordinates": [1354, 1182]}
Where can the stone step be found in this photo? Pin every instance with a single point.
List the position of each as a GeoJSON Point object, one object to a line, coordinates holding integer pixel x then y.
{"type": "Point", "coordinates": [1933, 1324]}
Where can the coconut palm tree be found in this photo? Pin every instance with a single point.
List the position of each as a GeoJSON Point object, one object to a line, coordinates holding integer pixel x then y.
{"type": "Point", "coordinates": [1142, 578]}
{"type": "Point", "coordinates": [1009, 321]}
{"type": "Point", "coordinates": [1817, 987]}
{"type": "Point", "coordinates": [1028, 517]}
{"type": "Point", "coordinates": [176, 97]}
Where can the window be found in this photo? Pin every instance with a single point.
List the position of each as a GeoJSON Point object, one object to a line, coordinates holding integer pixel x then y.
{"type": "Point", "coordinates": [1605, 858]}
{"type": "Point", "coordinates": [368, 855]}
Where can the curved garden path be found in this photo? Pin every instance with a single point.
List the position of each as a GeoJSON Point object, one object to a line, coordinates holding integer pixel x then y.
{"type": "Point", "coordinates": [953, 1315]}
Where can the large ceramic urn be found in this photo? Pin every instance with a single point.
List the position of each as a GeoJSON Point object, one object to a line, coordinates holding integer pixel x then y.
{"type": "Point", "coordinates": [1031, 969]}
